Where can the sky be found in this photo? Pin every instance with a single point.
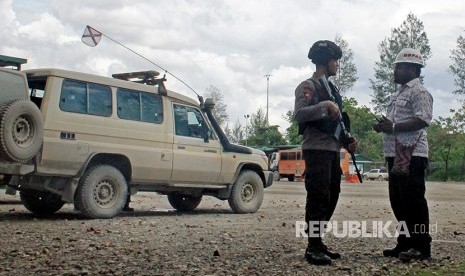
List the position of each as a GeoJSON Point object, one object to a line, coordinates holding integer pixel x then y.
{"type": "Point", "coordinates": [229, 44]}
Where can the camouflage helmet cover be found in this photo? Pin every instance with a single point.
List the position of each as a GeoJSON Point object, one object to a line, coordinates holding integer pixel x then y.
{"type": "Point", "coordinates": [324, 50]}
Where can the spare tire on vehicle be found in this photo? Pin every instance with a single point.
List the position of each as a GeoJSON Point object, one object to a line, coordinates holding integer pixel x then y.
{"type": "Point", "coordinates": [21, 130]}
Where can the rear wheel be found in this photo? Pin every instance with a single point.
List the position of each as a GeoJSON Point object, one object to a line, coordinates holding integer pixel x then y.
{"type": "Point", "coordinates": [247, 193]}
{"type": "Point", "coordinates": [380, 178]}
{"type": "Point", "coordinates": [184, 203]}
{"type": "Point", "coordinates": [41, 203]}
{"type": "Point", "coordinates": [102, 192]}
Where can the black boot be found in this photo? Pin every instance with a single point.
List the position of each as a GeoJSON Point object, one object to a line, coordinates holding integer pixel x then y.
{"type": "Point", "coordinates": [414, 254]}
{"type": "Point", "coordinates": [315, 252]}
{"type": "Point", "coordinates": [332, 255]}
{"type": "Point", "coordinates": [317, 257]}
{"type": "Point", "coordinates": [394, 252]}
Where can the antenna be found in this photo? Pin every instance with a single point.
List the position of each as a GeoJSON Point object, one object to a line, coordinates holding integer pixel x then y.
{"type": "Point", "coordinates": [92, 37]}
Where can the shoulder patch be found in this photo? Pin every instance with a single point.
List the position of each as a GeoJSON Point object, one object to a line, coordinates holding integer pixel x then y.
{"type": "Point", "coordinates": [308, 93]}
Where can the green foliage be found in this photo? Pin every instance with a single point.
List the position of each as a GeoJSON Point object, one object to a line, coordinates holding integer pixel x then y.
{"type": "Point", "coordinates": [409, 34]}
{"type": "Point", "coordinates": [361, 127]}
{"type": "Point", "coordinates": [292, 132]}
{"type": "Point", "coordinates": [447, 135]}
{"type": "Point", "coordinates": [446, 138]}
{"type": "Point", "coordinates": [261, 134]}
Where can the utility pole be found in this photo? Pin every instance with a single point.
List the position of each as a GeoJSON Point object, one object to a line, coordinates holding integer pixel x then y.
{"type": "Point", "coordinates": [246, 117]}
{"type": "Point", "coordinates": [267, 76]}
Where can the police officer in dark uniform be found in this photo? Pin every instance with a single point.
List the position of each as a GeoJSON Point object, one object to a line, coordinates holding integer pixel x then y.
{"type": "Point", "coordinates": [318, 117]}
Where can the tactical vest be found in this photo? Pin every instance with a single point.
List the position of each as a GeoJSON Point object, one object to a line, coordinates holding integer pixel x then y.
{"type": "Point", "coordinates": [320, 95]}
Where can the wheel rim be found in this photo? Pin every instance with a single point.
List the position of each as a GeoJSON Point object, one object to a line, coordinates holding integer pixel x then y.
{"type": "Point", "coordinates": [105, 193]}
{"type": "Point", "coordinates": [248, 192]}
{"type": "Point", "coordinates": [23, 132]}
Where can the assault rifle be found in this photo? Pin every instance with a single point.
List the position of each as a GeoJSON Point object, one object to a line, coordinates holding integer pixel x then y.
{"type": "Point", "coordinates": [346, 135]}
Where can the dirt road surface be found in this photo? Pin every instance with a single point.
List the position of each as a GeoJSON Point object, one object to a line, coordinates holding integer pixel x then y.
{"type": "Point", "coordinates": [156, 240]}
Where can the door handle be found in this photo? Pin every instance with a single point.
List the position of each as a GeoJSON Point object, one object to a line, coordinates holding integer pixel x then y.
{"type": "Point", "coordinates": [181, 147]}
{"type": "Point", "coordinates": [209, 150]}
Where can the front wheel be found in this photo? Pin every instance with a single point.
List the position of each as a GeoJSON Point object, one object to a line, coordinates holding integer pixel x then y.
{"type": "Point", "coordinates": [184, 203]}
{"type": "Point", "coordinates": [102, 192]}
{"type": "Point", "coordinates": [41, 203]}
{"type": "Point", "coordinates": [247, 193]}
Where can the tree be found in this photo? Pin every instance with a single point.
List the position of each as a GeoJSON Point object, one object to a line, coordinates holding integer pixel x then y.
{"type": "Point", "coordinates": [292, 132]}
{"type": "Point", "coordinates": [409, 35]}
{"type": "Point", "coordinates": [370, 142]}
{"type": "Point", "coordinates": [441, 141]}
{"type": "Point", "coordinates": [219, 112]}
{"type": "Point", "coordinates": [347, 73]}
{"type": "Point", "coordinates": [458, 66]}
{"type": "Point", "coordinates": [261, 134]}
{"type": "Point", "coordinates": [237, 133]}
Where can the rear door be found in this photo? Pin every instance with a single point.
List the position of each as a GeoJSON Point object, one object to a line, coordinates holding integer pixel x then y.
{"type": "Point", "coordinates": [194, 160]}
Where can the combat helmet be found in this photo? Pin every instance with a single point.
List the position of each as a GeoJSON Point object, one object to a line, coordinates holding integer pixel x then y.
{"type": "Point", "coordinates": [324, 50]}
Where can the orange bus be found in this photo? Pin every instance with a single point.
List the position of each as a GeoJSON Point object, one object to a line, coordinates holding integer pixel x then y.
{"type": "Point", "coordinates": [291, 164]}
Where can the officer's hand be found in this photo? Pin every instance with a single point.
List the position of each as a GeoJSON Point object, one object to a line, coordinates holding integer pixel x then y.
{"type": "Point", "coordinates": [333, 110]}
{"type": "Point", "coordinates": [353, 145]}
{"type": "Point", "coordinates": [384, 125]}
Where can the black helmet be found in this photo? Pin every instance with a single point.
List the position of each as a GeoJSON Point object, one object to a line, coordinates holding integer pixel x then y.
{"type": "Point", "coordinates": [324, 50]}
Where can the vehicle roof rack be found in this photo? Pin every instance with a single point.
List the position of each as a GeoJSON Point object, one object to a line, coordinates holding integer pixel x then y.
{"type": "Point", "coordinates": [7, 61]}
{"type": "Point", "coordinates": [144, 77]}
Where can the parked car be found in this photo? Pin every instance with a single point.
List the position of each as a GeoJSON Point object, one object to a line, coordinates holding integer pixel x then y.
{"type": "Point", "coordinates": [378, 174]}
{"type": "Point", "coordinates": [71, 137]}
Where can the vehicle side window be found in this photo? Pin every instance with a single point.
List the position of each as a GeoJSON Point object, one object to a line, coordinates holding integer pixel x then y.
{"type": "Point", "coordinates": [99, 100]}
{"type": "Point", "coordinates": [74, 96]}
{"type": "Point", "coordinates": [152, 111]}
{"type": "Point", "coordinates": [139, 106]}
{"type": "Point", "coordinates": [128, 104]}
{"type": "Point", "coordinates": [188, 121]}
{"type": "Point", "coordinates": [86, 98]}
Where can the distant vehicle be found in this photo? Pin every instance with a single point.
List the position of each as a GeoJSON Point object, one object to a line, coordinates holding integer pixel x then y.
{"type": "Point", "coordinates": [273, 167]}
{"type": "Point", "coordinates": [290, 164]}
{"type": "Point", "coordinates": [378, 174]}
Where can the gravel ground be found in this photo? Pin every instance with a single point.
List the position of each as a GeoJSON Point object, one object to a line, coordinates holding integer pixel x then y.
{"type": "Point", "coordinates": [155, 240]}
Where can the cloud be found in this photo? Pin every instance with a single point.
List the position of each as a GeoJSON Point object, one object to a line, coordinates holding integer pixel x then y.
{"type": "Point", "coordinates": [228, 44]}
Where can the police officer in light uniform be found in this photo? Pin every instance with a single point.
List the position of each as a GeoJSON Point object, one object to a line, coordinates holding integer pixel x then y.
{"type": "Point", "coordinates": [405, 148]}
{"type": "Point", "coordinates": [318, 119]}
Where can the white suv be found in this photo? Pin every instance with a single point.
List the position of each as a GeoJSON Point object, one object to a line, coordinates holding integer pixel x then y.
{"type": "Point", "coordinates": [90, 140]}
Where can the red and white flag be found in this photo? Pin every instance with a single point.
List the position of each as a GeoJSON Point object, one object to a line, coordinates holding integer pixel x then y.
{"type": "Point", "coordinates": [91, 36]}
